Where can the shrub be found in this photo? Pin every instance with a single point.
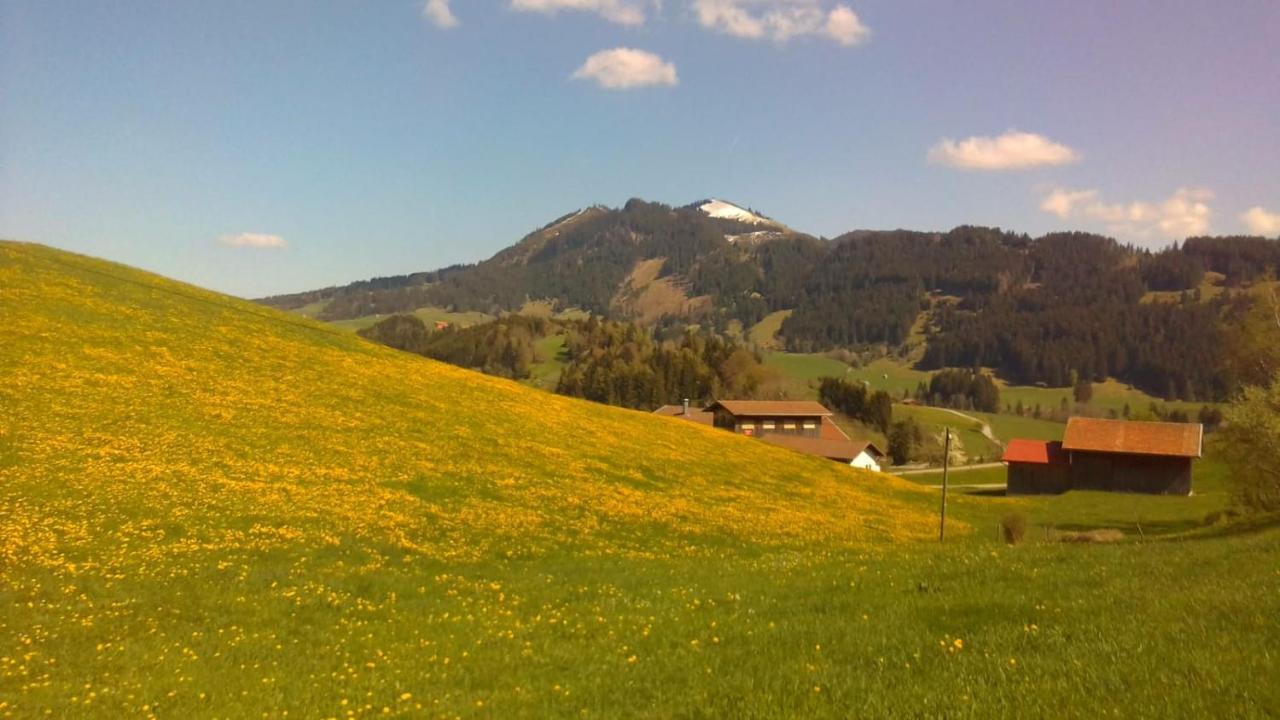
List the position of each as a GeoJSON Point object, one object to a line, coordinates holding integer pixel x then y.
{"type": "Point", "coordinates": [1252, 449]}
{"type": "Point", "coordinates": [1013, 527]}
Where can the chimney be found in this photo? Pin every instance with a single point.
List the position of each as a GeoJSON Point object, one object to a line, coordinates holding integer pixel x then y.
{"type": "Point", "coordinates": [685, 405]}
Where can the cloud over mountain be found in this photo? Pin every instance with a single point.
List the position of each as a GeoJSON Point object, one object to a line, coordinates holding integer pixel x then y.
{"type": "Point", "coordinates": [1013, 150]}
{"type": "Point", "coordinates": [1260, 222]}
{"type": "Point", "coordinates": [1183, 214]}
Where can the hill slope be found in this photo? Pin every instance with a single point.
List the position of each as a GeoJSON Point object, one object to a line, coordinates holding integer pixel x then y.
{"type": "Point", "coordinates": [209, 509]}
{"type": "Point", "coordinates": [135, 396]}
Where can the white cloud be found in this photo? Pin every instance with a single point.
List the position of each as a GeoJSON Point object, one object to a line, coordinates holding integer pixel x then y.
{"type": "Point", "coordinates": [1063, 203]}
{"type": "Point", "coordinates": [844, 26]}
{"type": "Point", "coordinates": [781, 20]}
{"type": "Point", "coordinates": [254, 240]}
{"type": "Point", "coordinates": [1011, 151]}
{"type": "Point", "coordinates": [623, 68]}
{"type": "Point", "coordinates": [1261, 222]}
{"type": "Point", "coordinates": [622, 12]}
{"type": "Point", "coordinates": [1183, 214]}
{"type": "Point", "coordinates": [439, 12]}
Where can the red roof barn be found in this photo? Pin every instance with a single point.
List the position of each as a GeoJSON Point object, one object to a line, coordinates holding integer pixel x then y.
{"type": "Point", "coordinates": [1117, 455]}
{"type": "Point", "coordinates": [1037, 467]}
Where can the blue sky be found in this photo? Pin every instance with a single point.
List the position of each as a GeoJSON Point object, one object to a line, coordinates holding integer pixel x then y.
{"type": "Point", "coordinates": [261, 147]}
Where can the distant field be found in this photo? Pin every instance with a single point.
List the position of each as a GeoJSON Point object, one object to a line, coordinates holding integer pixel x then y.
{"type": "Point", "coordinates": [545, 373]}
{"type": "Point", "coordinates": [977, 448]}
{"type": "Point", "coordinates": [311, 309]}
{"type": "Point", "coordinates": [1111, 395]}
{"type": "Point", "coordinates": [806, 367]}
{"type": "Point", "coordinates": [895, 377]}
{"type": "Point", "coordinates": [764, 334]}
{"type": "Point", "coordinates": [546, 309]}
{"type": "Point", "coordinates": [1007, 427]}
{"type": "Point", "coordinates": [1210, 287]}
{"type": "Point", "coordinates": [892, 376]}
{"type": "Point", "coordinates": [429, 315]}
{"type": "Point", "coordinates": [803, 371]}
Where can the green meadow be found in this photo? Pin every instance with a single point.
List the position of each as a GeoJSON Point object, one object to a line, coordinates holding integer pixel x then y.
{"type": "Point", "coordinates": [247, 513]}
{"type": "Point", "coordinates": [428, 315]}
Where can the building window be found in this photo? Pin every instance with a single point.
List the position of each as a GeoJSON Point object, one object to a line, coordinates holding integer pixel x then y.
{"type": "Point", "coordinates": [767, 425]}
{"type": "Point", "coordinates": [747, 428]}
{"type": "Point", "coordinates": [788, 425]}
{"type": "Point", "coordinates": [810, 424]}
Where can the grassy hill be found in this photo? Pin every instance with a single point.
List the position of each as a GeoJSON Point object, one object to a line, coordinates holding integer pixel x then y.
{"type": "Point", "coordinates": [212, 509]}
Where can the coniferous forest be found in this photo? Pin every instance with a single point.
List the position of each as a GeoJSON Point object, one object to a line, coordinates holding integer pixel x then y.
{"type": "Point", "coordinates": [1047, 310]}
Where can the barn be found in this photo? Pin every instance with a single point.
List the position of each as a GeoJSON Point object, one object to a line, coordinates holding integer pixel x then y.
{"type": "Point", "coordinates": [1126, 456]}
{"type": "Point", "coordinates": [1037, 467]}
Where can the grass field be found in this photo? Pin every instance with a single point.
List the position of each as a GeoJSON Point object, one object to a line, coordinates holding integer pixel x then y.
{"type": "Point", "coordinates": [1210, 287]}
{"type": "Point", "coordinates": [896, 376]}
{"type": "Point", "coordinates": [977, 448]}
{"type": "Point", "coordinates": [1008, 427]}
{"type": "Point", "coordinates": [428, 315]}
{"type": "Point", "coordinates": [1135, 515]}
{"type": "Point", "coordinates": [545, 373]}
{"type": "Point", "coordinates": [764, 334]}
{"type": "Point", "coordinates": [244, 513]}
{"type": "Point", "coordinates": [1111, 395]}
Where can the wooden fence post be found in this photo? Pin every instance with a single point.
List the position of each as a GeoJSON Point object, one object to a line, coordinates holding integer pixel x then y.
{"type": "Point", "coordinates": [946, 464]}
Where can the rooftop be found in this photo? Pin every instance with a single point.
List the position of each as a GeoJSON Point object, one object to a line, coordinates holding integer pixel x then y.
{"type": "Point", "coordinates": [677, 411]}
{"type": "Point", "coordinates": [842, 450]}
{"type": "Point", "coordinates": [1135, 438]}
{"type": "Point", "coordinates": [1037, 452]}
{"type": "Point", "coordinates": [771, 408]}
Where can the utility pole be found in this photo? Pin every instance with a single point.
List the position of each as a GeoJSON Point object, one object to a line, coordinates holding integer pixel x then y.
{"type": "Point", "coordinates": [946, 464]}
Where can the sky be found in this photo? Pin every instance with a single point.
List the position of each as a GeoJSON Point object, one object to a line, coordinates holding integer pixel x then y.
{"type": "Point", "coordinates": [267, 147]}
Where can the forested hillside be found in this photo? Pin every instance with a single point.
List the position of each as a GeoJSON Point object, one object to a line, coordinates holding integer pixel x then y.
{"type": "Point", "coordinates": [606, 361]}
{"type": "Point", "coordinates": [1041, 310]}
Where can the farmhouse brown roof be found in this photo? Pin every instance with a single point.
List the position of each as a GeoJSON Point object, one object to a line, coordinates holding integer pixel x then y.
{"type": "Point", "coordinates": [1037, 452]}
{"type": "Point", "coordinates": [770, 408]}
{"type": "Point", "coordinates": [842, 450]}
{"type": "Point", "coordinates": [829, 430]}
{"type": "Point", "coordinates": [1136, 438]}
{"type": "Point", "coordinates": [701, 417]}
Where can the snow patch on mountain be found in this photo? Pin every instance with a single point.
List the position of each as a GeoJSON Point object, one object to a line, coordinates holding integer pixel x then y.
{"type": "Point", "coordinates": [729, 211]}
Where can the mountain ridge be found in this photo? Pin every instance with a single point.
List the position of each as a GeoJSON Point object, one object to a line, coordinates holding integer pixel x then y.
{"type": "Point", "coordinates": [1043, 309]}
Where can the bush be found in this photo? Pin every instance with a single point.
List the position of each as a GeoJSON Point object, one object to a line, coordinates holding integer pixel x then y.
{"type": "Point", "coordinates": [1013, 527]}
{"type": "Point", "coordinates": [1252, 449]}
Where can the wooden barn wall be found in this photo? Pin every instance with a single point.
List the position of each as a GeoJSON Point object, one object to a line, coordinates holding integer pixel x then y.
{"type": "Point", "coordinates": [1034, 479]}
{"type": "Point", "coordinates": [1130, 473]}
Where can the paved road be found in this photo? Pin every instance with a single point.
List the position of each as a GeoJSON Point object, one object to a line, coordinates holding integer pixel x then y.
{"type": "Point", "coordinates": [959, 469]}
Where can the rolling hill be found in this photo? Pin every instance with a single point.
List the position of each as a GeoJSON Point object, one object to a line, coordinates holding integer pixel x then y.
{"type": "Point", "coordinates": [213, 509]}
{"type": "Point", "coordinates": [125, 382]}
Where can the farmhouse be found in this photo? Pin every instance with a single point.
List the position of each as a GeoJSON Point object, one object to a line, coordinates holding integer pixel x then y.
{"type": "Point", "coordinates": [1114, 455]}
{"type": "Point", "coordinates": [803, 426]}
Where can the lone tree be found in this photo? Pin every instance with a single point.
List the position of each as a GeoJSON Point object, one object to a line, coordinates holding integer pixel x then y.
{"type": "Point", "coordinates": [1083, 391]}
